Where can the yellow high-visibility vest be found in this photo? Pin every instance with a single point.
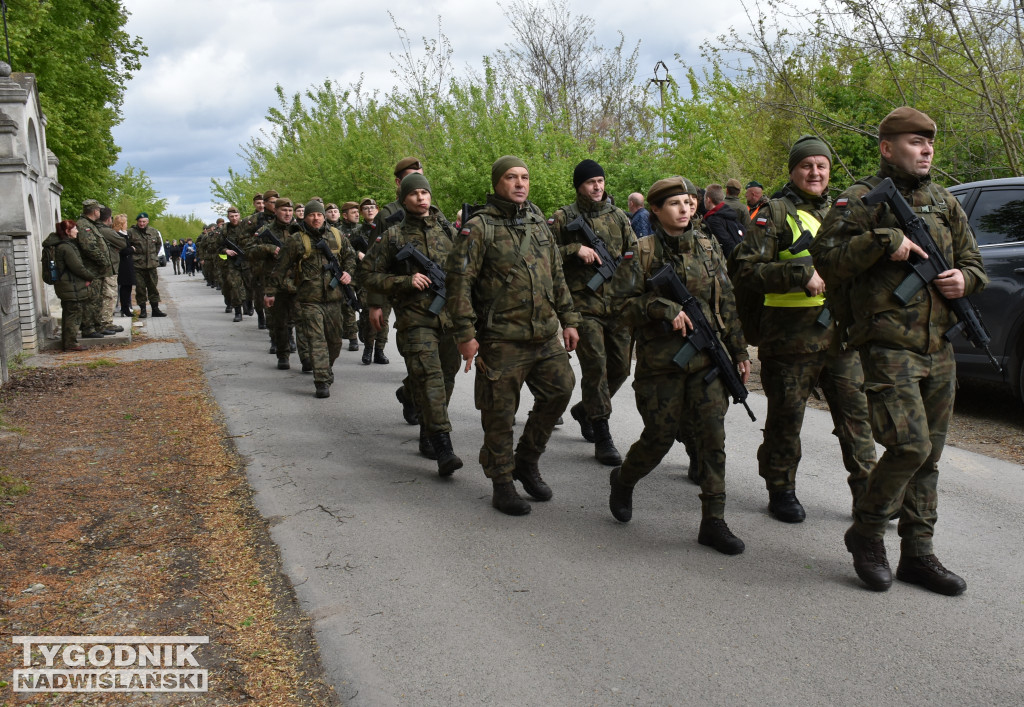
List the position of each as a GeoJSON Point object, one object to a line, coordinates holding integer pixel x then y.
{"type": "Point", "coordinates": [797, 297]}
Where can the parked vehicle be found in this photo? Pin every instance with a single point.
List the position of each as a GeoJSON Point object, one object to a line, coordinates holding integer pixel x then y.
{"type": "Point", "coordinates": [162, 255]}
{"type": "Point", "coordinates": [995, 209]}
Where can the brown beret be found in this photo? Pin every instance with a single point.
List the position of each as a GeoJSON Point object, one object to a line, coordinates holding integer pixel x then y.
{"type": "Point", "coordinates": [258, 197]}
{"type": "Point", "coordinates": [330, 205]}
{"type": "Point", "coordinates": [283, 202]}
{"type": "Point", "coordinates": [407, 163]}
{"type": "Point", "coordinates": [367, 202]}
{"type": "Point", "coordinates": [907, 120]}
{"type": "Point", "coordinates": [664, 188]}
{"type": "Point", "coordinates": [348, 205]}
{"type": "Point", "coordinates": [733, 184]}
{"type": "Point", "coordinates": [269, 194]}
{"type": "Point", "coordinates": [233, 210]}
{"type": "Point", "coordinates": [318, 198]}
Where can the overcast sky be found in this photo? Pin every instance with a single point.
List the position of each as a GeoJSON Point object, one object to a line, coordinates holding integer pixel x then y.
{"type": "Point", "coordinates": [212, 66]}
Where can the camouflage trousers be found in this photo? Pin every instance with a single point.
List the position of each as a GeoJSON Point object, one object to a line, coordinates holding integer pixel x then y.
{"type": "Point", "coordinates": [92, 308]}
{"type": "Point", "coordinates": [233, 286]}
{"type": "Point", "coordinates": [366, 333]}
{"type": "Point", "coordinates": [788, 382]}
{"type": "Point", "coordinates": [663, 402]}
{"type": "Point", "coordinates": [257, 284]}
{"type": "Point", "coordinates": [146, 286]}
{"type": "Point", "coordinates": [70, 320]}
{"type": "Point", "coordinates": [318, 326]}
{"type": "Point", "coordinates": [502, 367]}
{"type": "Point", "coordinates": [911, 401]}
{"type": "Point", "coordinates": [432, 361]}
{"type": "Point", "coordinates": [108, 285]}
{"type": "Point", "coordinates": [280, 318]}
{"type": "Point", "coordinates": [604, 356]}
{"type": "Point", "coordinates": [349, 321]}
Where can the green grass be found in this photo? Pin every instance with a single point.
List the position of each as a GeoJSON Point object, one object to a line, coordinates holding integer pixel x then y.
{"type": "Point", "coordinates": [11, 487]}
{"type": "Point", "coordinates": [100, 363]}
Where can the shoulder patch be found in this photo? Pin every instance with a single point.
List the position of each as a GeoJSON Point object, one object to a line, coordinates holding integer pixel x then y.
{"type": "Point", "coordinates": [628, 255]}
{"type": "Point", "coordinates": [842, 202]}
{"type": "Point", "coordinates": [377, 240]}
{"type": "Point", "coordinates": [762, 221]}
{"type": "Point", "coordinates": [465, 231]}
{"type": "Point", "coordinates": [551, 221]}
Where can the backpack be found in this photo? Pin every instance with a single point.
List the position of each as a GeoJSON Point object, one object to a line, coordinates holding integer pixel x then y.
{"type": "Point", "coordinates": [48, 261]}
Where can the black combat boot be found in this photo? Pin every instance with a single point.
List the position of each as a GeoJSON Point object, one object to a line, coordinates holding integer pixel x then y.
{"type": "Point", "coordinates": [447, 460]}
{"type": "Point", "coordinates": [157, 312]}
{"type": "Point", "coordinates": [368, 354]}
{"type": "Point", "coordinates": [291, 341]}
{"type": "Point", "coordinates": [604, 448]}
{"type": "Point", "coordinates": [507, 500]}
{"type": "Point", "coordinates": [353, 345]}
{"type": "Point", "coordinates": [307, 366]}
{"type": "Point", "coordinates": [930, 574]}
{"type": "Point", "coordinates": [323, 390]}
{"type": "Point", "coordinates": [869, 560]}
{"type": "Point", "coordinates": [620, 501]}
{"type": "Point", "coordinates": [142, 311]}
{"type": "Point", "coordinates": [715, 533]}
{"type": "Point", "coordinates": [282, 363]}
{"type": "Point", "coordinates": [227, 309]}
{"type": "Point", "coordinates": [261, 320]}
{"type": "Point", "coordinates": [426, 447]}
{"type": "Point", "coordinates": [238, 314]}
{"type": "Point", "coordinates": [273, 347]}
{"type": "Point", "coordinates": [528, 474]}
{"type": "Point", "coordinates": [580, 415]}
{"type": "Point", "coordinates": [785, 506]}
{"type": "Point", "coordinates": [249, 310]}
{"type": "Point", "coordinates": [409, 411]}
{"type": "Point", "coordinates": [378, 355]}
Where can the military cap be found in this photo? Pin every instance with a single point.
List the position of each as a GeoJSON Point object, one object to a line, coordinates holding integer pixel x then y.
{"type": "Point", "coordinates": [233, 210]}
{"type": "Point", "coordinates": [142, 214]}
{"type": "Point", "coordinates": [314, 207]}
{"type": "Point", "coordinates": [907, 120]}
{"type": "Point", "coordinates": [407, 163]}
{"type": "Point", "coordinates": [329, 206]}
{"type": "Point", "coordinates": [410, 183]}
{"type": "Point", "coordinates": [90, 204]}
{"type": "Point", "coordinates": [367, 202]}
{"type": "Point", "coordinates": [258, 197]}
{"type": "Point", "coordinates": [752, 183]}
{"type": "Point", "coordinates": [808, 146]}
{"type": "Point", "coordinates": [670, 186]}
{"type": "Point", "coordinates": [691, 188]}
{"type": "Point", "coordinates": [502, 165]}
{"type": "Point", "coordinates": [733, 184]}
{"type": "Point", "coordinates": [269, 194]}
{"type": "Point", "coordinates": [318, 198]}
{"type": "Point", "coordinates": [283, 202]}
{"type": "Point", "coordinates": [348, 205]}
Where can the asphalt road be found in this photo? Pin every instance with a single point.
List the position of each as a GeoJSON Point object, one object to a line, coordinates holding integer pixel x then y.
{"type": "Point", "coordinates": [422, 594]}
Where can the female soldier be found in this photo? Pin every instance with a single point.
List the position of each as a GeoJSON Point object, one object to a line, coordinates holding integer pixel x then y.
{"type": "Point", "coordinates": [665, 392]}
{"type": "Point", "coordinates": [71, 285]}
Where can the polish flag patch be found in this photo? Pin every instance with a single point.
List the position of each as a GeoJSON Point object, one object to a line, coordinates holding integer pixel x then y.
{"type": "Point", "coordinates": [841, 203]}
{"type": "Point", "coordinates": [762, 221]}
{"type": "Point", "coordinates": [551, 221]}
{"type": "Point", "coordinates": [628, 255]}
{"type": "Point", "coordinates": [464, 231]}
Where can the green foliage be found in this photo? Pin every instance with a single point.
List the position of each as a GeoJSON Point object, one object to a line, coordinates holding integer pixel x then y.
{"type": "Point", "coordinates": [178, 228]}
{"type": "Point", "coordinates": [132, 192]}
{"type": "Point", "coordinates": [82, 59]}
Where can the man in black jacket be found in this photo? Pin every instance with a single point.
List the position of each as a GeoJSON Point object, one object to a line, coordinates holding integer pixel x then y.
{"type": "Point", "coordinates": [721, 219]}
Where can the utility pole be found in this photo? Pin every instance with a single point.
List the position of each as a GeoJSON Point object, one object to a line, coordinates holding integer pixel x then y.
{"type": "Point", "coordinates": [661, 87]}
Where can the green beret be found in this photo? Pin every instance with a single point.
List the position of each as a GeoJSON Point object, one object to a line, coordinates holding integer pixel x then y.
{"type": "Point", "coordinates": [907, 120]}
{"type": "Point", "coordinates": [142, 214]}
{"type": "Point", "coordinates": [502, 165]}
{"type": "Point", "coordinates": [410, 183]}
{"type": "Point", "coordinates": [808, 146]}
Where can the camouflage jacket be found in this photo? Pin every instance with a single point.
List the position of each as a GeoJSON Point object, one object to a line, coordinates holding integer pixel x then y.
{"type": "Point", "coordinates": [235, 234]}
{"type": "Point", "coordinates": [300, 267]}
{"type": "Point", "coordinates": [852, 254]}
{"type": "Point", "coordinates": [72, 274]}
{"type": "Point", "coordinates": [738, 205]}
{"type": "Point", "coordinates": [93, 247]}
{"type": "Point", "coordinates": [784, 330]}
{"type": "Point", "coordinates": [611, 225]}
{"type": "Point", "coordinates": [147, 247]}
{"type": "Point", "coordinates": [698, 260]}
{"type": "Point", "coordinates": [115, 244]}
{"type": "Point", "coordinates": [497, 292]}
{"type": "Point", "coordinates": [381, 273]}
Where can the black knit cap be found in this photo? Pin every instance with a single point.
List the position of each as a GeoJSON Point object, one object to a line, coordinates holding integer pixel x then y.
{"type": "Point", "coordinates": [587, 169]}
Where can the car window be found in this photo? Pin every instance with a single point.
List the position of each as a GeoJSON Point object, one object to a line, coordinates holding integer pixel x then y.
{"type": "Point", "coordinates": [998, 216]}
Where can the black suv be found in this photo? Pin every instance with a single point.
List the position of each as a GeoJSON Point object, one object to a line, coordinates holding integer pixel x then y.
{"type": "Point", "coordinates": [995, 208]}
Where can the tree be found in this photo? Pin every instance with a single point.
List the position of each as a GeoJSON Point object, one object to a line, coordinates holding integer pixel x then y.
{"type": "Point", "coordinates": [132, 191]}
{"type": "Point", "coordinates": [82, 59]}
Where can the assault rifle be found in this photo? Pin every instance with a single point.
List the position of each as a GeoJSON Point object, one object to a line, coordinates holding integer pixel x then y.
{"type": "Point", "coordinates": [230, 245]}
{"type": "Point", "coordinates": [359, 242]}
{"type": "Point", "coordinates": [432, 270]}
{"type": "Point", "coordinates": [701, 338]}
{"type": "Point", "coordinates": [925, 270]}
{"type": "Point", "coordinates": [608, 264]}
{"type": "Point", "coordinates": [269, 235]}
{"type": "Point", "coordinates": [334, 268]}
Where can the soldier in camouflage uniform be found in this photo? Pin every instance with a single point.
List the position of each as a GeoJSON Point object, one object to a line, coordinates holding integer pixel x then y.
{"type": "Point", "coordinates": [265, 253]}
{"type": "Point", "coordinates": [146, 242]}
{"type": "Point", "coordinates": [96, 259]}
{"type": "Point", "coordinates": [604, 349]}
{"type": "Point", "coordinates": [506, 298]}
{"type": "Point", "coordinates": [424, 336]}
{"type": "Point", "coordinates": [259, 218]}
{"type": "Point", "coordinates": [799, 345]}
{"type": "Point", "coordinates": [346, 220]}
{"type": "Point", "coordinates": [909, 371]}
{"type": "Point", "coordinates": [665, 393]}
{"type": "Point", "coordinates": [233, 284]}
{"type": "Point", "coordinates": [300, 268]}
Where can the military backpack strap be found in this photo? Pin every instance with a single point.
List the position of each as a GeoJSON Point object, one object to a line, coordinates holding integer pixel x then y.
{"type": "Point", "coordinates": [524, 248]}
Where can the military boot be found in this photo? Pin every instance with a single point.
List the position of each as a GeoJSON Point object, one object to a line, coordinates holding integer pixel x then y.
{"type": "Point", "coordinates": [604, 448]}
{"type": "Point", "coordinates": [249, 310]}
{"type": "Point", "coordinates": [142, 311]}
{"type": "Point", "coordinates": [715, 533]}
{"type": "Point", "coordinates": [353, 345]}
{"type": "Point", "coordinates": [368, 354]}
{"type": "Point", "coordinates": [261, 320]}
{"type": "Point", "coordinates": [528, 474]}
{"type": "Point", "coordinates": [238, 314]}
{"type": "Point", "coordinates": [869, 560]}
{"type": "Point", "coordinates": [447, 460]}
{"type": "Point", "coordinates": [930, 574]}
{"type": "Point", "coordinates": [580, 415]}
{"type": "Point", "coordinates": [227, 309]}
{"type": "Point", "coordinates": [409, 411]}
{"type": "Point", "coordinates": [378, 355]}
{"type": "Point", "coordinates": [507, 500]}
{"type": "Point", "coordinates": [273, 347]}
{"type": "Point", "coordinates": [426, 447]}
{"type": "Point", "coordinates": [785, 506]}
{"type": "Point", "coordinates": [157, 312]}
{"type": "Point", "coordinates": [620, 501]}
{"type": "Point", "coordinates": [323, 390]}
{"type": "Point", "coordinates": [282, 363]}
{"type": "Point", "coordinates": [307, 366]}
